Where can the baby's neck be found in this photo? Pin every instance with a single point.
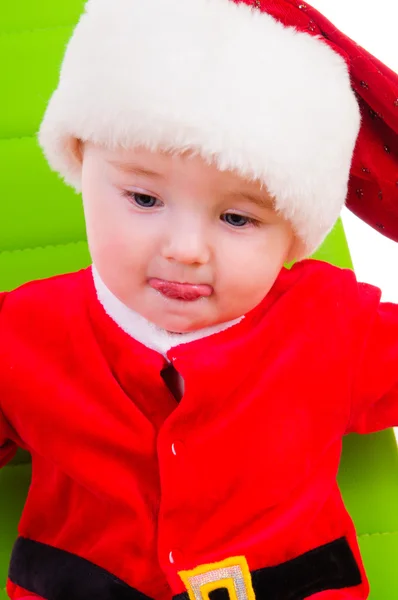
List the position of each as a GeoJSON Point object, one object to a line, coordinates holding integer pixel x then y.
{"type": "Point", "coordinates": [142, 330]}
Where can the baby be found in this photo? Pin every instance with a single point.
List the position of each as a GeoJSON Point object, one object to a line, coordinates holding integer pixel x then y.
{"type": "Point", "coordinates": [185, 398]}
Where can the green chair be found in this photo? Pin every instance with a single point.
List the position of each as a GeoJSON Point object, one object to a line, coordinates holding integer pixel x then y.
{"type": "Point", "coordinates": [42, 233]}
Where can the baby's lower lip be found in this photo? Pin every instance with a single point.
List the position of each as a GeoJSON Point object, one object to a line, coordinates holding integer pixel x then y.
{"type": "Point", "coordinates": [181, 291]}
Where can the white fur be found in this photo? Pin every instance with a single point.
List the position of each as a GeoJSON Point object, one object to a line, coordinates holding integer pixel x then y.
{"type": "Point", "coordinates": [224, 79]}
{"type": "Point", "coordinates": [142, 330]}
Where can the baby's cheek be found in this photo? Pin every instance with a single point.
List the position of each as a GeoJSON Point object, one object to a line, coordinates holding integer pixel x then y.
{"type": "Point", "coordinates": [253, 284]}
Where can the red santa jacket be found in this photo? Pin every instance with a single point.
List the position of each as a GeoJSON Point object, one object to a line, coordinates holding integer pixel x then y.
{"type": "Point", "coordinates": [134, 495]}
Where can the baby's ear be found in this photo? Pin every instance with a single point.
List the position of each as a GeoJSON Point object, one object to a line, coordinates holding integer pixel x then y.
{"type": "Point", "coordinates": [77, 149]}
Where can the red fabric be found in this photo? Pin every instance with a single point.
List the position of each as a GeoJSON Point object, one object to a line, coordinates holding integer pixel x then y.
{"type": "Point", "coordinates": [25, 597]}
{"type": "Point", "coordinates": [14, 591]}
{"type": "Point", "coordinates": [373, 188]}
{"type": "Point", "coordinates": [257, 435]}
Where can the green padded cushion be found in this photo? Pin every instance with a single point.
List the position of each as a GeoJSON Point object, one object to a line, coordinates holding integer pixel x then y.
{"type": "Point", "coordinates": [41, 227]}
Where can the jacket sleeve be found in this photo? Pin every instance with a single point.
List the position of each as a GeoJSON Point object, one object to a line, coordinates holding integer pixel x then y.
{"type": "Point", "coordinates": [374, 352]}
{"type": "Point", "coordinates": [8, 448]}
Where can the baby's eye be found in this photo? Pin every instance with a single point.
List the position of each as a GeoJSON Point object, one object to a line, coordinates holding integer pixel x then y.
{"type": "Point", "coordinates": [143, 200]}
{"type": "Point", "coordinates": [237, 220]}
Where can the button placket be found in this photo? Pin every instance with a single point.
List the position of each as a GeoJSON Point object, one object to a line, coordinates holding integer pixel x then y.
{"type": "Point", "coordinates": [171, 452]}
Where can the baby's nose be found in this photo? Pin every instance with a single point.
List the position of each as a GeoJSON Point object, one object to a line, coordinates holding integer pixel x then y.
{"type": "Point", "coordinates": [187, 244]}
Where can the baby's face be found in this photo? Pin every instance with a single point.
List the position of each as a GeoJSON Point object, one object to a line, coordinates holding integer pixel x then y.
{"type": "Point", "coordinates": [156, 220]}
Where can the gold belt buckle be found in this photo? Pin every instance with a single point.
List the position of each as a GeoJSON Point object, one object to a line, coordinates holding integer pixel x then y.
{"type": "Point", "coordinates": [232, 574]}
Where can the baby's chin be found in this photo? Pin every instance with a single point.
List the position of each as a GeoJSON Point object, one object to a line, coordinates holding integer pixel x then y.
{"type": "Point", "coordinates": [183, 324]}
{"type": "Point", "coordinates": [178, 327]}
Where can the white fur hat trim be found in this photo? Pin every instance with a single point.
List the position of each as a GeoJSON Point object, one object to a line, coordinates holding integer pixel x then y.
{"type": "Point", "coordinates": [231, 82]}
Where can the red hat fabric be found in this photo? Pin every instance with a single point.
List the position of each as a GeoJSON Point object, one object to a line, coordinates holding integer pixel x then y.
{"type": "Point", "coordinates": [373, 186]}
{"type": "Point", "coordinates": [268, 88]}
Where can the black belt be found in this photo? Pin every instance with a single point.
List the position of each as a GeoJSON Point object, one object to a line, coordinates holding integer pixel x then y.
{"type": "Point", "coordinates": [57, 575]}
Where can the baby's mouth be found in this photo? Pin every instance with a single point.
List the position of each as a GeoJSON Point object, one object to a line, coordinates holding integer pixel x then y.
{"type": "Point", "coordinates": [187, 292]}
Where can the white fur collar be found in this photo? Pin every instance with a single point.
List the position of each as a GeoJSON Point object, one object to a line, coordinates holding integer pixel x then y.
{"type": "Point", "coordinates": [142, 330]}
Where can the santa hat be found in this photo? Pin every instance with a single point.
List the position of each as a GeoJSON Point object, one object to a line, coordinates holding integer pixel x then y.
{"type": "Point", "coordinates": [268, 88]}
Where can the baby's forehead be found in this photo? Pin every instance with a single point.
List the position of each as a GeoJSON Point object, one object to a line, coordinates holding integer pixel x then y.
{"type": "Point", "coordinates": [178, 163]}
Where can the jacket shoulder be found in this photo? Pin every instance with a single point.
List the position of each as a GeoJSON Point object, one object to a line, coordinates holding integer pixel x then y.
{"type": "Point", "coordinates": [42, 299]}
{"type": "Point", "coordinates": [318, 276]}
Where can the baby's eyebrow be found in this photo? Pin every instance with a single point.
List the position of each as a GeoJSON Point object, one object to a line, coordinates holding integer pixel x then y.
{"type": "Point", "coordinates": [134, 169]}
{"type": "Point", "coordinates": [263, 201]}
